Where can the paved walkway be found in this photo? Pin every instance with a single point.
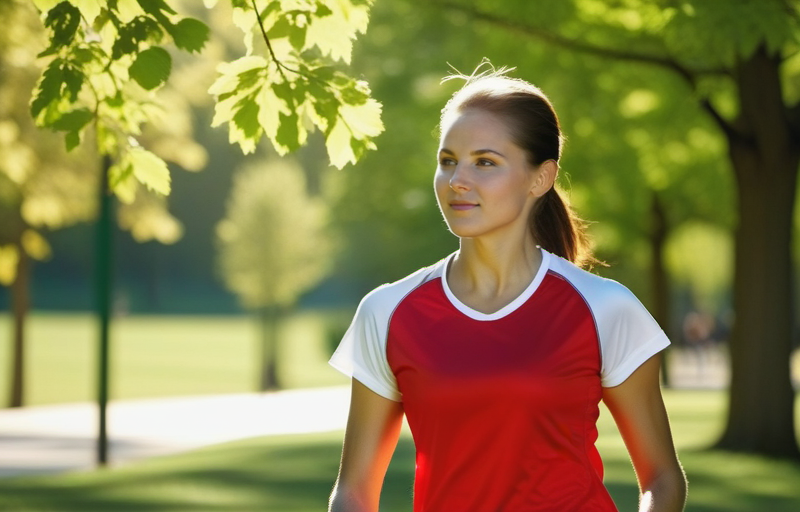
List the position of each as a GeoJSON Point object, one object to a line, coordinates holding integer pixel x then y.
{"type": "Point", "coordinates": [51, 439]}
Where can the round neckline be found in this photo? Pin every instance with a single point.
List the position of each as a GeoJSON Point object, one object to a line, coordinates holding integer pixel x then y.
{"type": "Point", "coordinates": [508, 308]}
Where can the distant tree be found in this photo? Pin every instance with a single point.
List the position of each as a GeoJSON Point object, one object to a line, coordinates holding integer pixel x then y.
{"type": "Point", "coordinates": [738, 59]}
{"type": "Point", "coordinates": [272, 247]}
{"type": "Point", "coordinates": [44, 188]}
{"type": "Point", "coordinates": [41, 188]}
{"type": "Point", "coordinates": [106, 60]}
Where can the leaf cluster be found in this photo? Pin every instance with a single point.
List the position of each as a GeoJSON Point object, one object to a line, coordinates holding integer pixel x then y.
{"type": "Point", "coordinates": [298, 87]}
{"type": "Point", "coordinates": [106, 58]}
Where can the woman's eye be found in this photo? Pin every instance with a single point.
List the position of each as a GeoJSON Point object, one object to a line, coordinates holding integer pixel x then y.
{"type": "Point", "coordinates": [484, 163]}
{"type": "Point", "coordinates": [446, 162]}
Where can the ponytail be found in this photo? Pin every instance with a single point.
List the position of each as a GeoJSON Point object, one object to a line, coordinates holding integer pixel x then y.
{"type": "Point", "coordinates": [557, 229]}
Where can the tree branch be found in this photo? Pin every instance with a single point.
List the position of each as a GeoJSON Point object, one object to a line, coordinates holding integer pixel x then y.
{"type": "Point", "coordinates": [278, 63]}
{"type": "Point", "coordinates": [724, 124]}
{"type": "Point", "coordinates": [689, 74]}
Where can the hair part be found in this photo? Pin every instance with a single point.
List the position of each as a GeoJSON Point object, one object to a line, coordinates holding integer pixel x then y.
{"type": "Point", "coordinates": [534, 127]}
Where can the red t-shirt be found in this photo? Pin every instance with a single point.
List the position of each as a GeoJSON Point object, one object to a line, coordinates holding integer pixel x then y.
{"type": "Point", "coordinates": [502, 406]}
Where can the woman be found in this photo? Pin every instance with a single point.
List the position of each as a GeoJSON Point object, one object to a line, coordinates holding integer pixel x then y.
{"type": "Point", "coordinates": [499, 354]}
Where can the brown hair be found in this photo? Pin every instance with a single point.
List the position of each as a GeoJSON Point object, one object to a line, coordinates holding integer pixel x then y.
{"type": "Point", "coordinates": [534, 127]}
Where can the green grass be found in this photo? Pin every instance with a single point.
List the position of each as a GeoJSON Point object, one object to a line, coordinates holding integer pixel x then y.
{"type": "Point", "coordinates": [155, 356]}
{"type": "Point", "coordinates": [295, 474]}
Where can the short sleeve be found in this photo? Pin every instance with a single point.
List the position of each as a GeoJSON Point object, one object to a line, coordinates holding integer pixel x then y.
{"type": "Point", "coordinates": [362, 352]}
{"type": "Point", "coordinates": [629, 336]}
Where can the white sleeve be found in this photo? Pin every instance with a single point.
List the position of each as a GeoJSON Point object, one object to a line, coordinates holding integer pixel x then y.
{"type": "Point", "coordinates": [362, 352]}
{"type": "Point", "coordinates": [629, 335]}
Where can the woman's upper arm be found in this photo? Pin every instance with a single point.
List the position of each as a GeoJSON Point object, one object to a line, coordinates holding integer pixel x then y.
{"type": "Point", "coordinates": [638, 409]}
{"type": "Point", "coordinates": [373, 427]}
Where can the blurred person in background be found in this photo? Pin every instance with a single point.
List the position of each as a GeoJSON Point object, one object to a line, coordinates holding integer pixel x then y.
{"type": "Point", "coordinates": [499, 354]}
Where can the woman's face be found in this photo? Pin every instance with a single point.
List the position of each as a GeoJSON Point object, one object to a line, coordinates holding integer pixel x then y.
{"type": "Point", "coordinates": [484, 183]}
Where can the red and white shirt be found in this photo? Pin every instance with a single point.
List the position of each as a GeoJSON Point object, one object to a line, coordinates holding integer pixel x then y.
{"type": "Point", "coordinates": [502, 406]}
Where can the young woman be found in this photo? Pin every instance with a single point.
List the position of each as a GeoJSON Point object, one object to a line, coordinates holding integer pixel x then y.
{"type": "Point", "coordinates": [499, 354]}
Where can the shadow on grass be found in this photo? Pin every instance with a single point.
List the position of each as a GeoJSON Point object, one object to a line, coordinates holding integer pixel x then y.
{"type": "Point", "coordinates": [296, 473]}
{"type": "Point", "coordinates": [287, 474]}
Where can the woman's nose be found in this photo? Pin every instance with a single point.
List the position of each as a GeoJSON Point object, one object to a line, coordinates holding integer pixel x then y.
{"type": "Point", "coordinates": [459, 180]}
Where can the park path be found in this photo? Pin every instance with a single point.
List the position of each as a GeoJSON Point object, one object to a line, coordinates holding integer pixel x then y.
{"type": "Point", "coordinates": [57, 438]}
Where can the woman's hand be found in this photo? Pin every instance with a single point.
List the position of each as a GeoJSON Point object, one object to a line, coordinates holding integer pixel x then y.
{"type": "Point", "coordinates": [373, 428]}
{"type": "Point", "coordinates": [638, 409]}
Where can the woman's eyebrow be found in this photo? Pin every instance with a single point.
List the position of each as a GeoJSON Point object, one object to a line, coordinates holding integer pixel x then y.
{"type": "Point", "coordinates": [484, 151]}
{"type": "Point", "coordinates": [474, 153]}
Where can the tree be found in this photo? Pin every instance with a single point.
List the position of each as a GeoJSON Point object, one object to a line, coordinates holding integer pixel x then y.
{"type": "Point", "coordinates": [106, 59]}
{"type": "Point", "coordinates": [272, 247]}
{"type": "Point", "coordinates": [736, 59]}
{"type": "Point", "coordinates": [41, 188]}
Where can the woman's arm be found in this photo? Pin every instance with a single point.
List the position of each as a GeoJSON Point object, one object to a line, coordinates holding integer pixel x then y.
{"type": "Point", "coordinates": [638, 409]}
{"type": "Point", "coordinates": [373, 427]}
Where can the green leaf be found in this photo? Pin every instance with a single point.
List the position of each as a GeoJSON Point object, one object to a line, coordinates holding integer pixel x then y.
{"type": "Point", "coordinates": [64, 20]}
{"type": "Point", "coordinates": [74, 120]}
{"type": "Point", "coordinates": [288, 136]}
{"type": "Point", "coordinates": [281, 28]}
{"type": "Point", "coordinates": [90, 9]}
{"type": "Point", "coordinates": [155, 7]}
{"type": "Point", "coordinates": [284, 91]}
{"type": "Point", "coordinates": [189, 34]}
{"type": "Point", "coordinates": [297, 37]}
{"type": "Point", "coordinates": [150, 170]}
{"type": "Point", "coordinates": [151, 67]}
{"type": "Point", "coordinates": [363, 120]}
{"type": "Point", "coordinates": [122, 182]}
{"type": "Point", "coordinates": [73, 81]}
{"type": "Point", "coordinates": [246, 118]}
{"type": "Point", "coordinates": [49, 88]}
{"type": "Point", "coordinates": [72, 140]}
{"type": "Point", "coordinates": [355, 93]}
{"type": "Point", "coordinates": [322, 10]}
{"type": "Point", "coordinates": [139, 30]}
{"type": "Point", "coordinates": [337, 142]}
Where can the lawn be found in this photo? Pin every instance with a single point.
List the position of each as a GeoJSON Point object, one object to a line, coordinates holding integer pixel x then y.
{"type": "Point", "coordinates": [167, 355]}
{"type": "Point", "coordinates": [295, 473]}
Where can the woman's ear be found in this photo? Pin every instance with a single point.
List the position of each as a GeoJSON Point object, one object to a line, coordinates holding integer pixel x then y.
{"type": "Point", "coordinates": [546, 175]}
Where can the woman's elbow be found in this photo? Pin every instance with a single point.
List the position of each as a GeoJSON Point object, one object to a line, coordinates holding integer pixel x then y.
{"type": "Point", "coordinates": [346, 499]}
{"type": "Point", "coordinates": [666, 493]}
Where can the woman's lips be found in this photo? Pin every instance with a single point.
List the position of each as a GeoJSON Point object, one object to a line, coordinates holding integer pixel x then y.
{"type": "Point", "coordinates": [463, 206]}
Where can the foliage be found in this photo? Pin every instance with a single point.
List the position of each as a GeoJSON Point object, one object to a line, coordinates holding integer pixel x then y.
{"type": "Point", "coordinates": [41, 188]}
{"type": "Point", "coordinates": [104, 61]}
{"type": "Point", "coordinates": [98, 50]}
{"type": "Point", "coordinates": [298, 88]}
{"type": "Point", "coordinates": [272, 241]}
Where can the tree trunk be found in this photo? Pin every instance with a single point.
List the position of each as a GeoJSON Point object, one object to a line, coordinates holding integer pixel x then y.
{"type": "Point", "coordinates": [765, 154]}
{"type": "Point", "coordinates": [20, 299]}
{"type": "Point", "coordinates": [270, 324]}
{"type": "Point", "coordinates": [658, 274]}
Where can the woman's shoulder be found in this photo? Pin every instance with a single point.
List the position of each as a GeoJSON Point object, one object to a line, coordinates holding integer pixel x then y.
{"type": "Point", "coordinates": [386, 296]}
{"type": "Point", "coordinates": [594, 288]}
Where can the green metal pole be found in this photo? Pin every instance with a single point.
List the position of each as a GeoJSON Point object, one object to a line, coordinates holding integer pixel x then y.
{"type": "Point", "coordinates": [103, 275]}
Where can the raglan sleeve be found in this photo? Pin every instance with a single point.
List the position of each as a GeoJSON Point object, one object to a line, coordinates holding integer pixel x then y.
{"type": "Point", "coordinates": [361, 353]}
{"type": "Point", "coordinates": [629, 336]}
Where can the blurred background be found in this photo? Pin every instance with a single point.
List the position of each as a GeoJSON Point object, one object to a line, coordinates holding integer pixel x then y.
{"type": "Point", "coordinates": [246, 277]}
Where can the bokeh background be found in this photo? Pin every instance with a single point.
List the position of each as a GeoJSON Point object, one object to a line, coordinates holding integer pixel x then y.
{"type": "Point", "coordinates": [246, 277]}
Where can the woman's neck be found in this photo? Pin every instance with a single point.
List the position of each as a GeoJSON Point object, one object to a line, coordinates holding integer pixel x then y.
{"type": "Point", "coordinates": [487, 275]}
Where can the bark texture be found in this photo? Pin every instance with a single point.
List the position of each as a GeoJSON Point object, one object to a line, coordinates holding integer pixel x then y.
{"type": "Point", "coordinates": [765, 154]}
